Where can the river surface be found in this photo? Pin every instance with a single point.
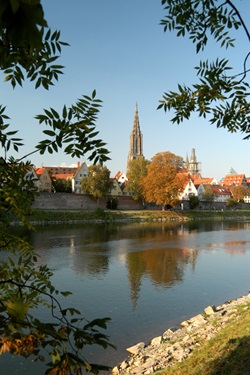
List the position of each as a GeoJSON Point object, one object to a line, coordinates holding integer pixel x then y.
{"type": "Point", "coordinates": [147, 277]}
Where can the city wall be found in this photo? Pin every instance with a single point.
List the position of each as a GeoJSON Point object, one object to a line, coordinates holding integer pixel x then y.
{"type": "Point", "coordinates": [66, 201]}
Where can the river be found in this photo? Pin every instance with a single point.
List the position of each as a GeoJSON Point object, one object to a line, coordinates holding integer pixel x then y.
{"type": "Point", "coordinates": [147, 277]}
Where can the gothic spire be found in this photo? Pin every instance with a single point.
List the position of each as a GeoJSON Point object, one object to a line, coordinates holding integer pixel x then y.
{"type": "Point", "coordinates": [136, 123]}
{"type": "Point", "coordinates": [136, 139]}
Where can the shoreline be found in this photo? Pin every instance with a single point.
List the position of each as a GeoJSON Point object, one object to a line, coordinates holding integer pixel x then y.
{"type": "Point", "coordinates": [71, 217]}
{"type": "Point", "coordinates": [176, 346]}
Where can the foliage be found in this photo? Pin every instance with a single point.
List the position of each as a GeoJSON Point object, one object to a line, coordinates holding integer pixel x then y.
{"type": "Point", "coordinates": [239, 192]}
{"type": "Point", "coordinates": [162, 184]}
{"type": "Point", "coordinates": [112, 203]}
{"type": "Point", "coordinates": [231, 203]}
{"type": "Point", "coordinates": [97, 183]}
{"type": "Point", "coordinates": [61, 185]}
{"type": "Point", "coordinates": [137, 169]}
{"type": "Point", "coordinates": [222, 97]}
{"type": "Point", "coordinates": [208, 194]}
{"type": "Point", "coordinates": [193, 202]}
{"type": "Point", "coordinates": [75, 128]}
{"type": "Point", "coordinates": [28, 46]}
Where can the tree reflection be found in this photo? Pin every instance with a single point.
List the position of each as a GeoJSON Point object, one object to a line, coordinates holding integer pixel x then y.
{"type": "Point", "coordinates": [165, 267]}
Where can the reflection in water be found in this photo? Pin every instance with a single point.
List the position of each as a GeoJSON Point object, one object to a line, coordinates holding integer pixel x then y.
{"type": "Point", "coordinates": [147, 277]}
{"type": "Point", "coordinates": [165, 267]}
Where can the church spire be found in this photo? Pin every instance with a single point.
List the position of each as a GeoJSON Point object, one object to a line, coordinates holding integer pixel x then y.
{"type": "Point", "coordinates": [193, 166]}
{"type": "Point", "coordinates": [136, 139]}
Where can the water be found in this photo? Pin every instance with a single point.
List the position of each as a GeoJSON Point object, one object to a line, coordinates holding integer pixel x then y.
{"type": "Point", "coordinates": [147, 277]}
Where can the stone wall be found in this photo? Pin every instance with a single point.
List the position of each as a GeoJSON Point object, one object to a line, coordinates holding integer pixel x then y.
{"type": "Point", "coordinates": [64, 201]}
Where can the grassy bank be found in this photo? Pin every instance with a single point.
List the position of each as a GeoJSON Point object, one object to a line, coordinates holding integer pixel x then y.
{"type": "Point", "coordinates": [62, 216]}
{"type": "Point", "coordinates": [228, 353]}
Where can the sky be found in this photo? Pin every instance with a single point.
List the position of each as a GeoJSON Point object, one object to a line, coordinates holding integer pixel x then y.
{"type": "Point", "coordinates": [119, 49]}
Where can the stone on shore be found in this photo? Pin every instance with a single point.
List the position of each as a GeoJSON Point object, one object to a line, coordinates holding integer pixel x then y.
{"type": "Point", "coordinates": [135, 349]}
{"type": "Point", "coordinates": [210, 310]}
{"type": "Point", "coordinates": [175, 346]}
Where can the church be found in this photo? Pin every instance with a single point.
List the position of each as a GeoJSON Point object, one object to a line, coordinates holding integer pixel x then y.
{"type": "Point", "coordinates": [135, 140]}
{"type": "Point", "coordinates": [191, 165]}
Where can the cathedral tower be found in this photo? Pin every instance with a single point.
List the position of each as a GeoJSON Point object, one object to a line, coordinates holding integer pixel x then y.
{"type": "Point", "coordinates": [136, 139]}
{"type": "Point", "coordinates": [192, 165]}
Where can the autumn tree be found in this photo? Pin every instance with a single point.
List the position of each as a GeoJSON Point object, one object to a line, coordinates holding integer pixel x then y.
{"type": "Point", "coordinates": [218, 95]}
{"type": "Point", "coordinates": [239, 192]}
{"type": "Point", "coordinates": [163, 182]}
{"type": "Point", "coordinates": [97, 183]}
{"type": "Point", "coordinates": [137, 169]}
{"type": "Point", "coordinates": [208, 194]}
{"type": "Point", "coordinates": [29, 51]}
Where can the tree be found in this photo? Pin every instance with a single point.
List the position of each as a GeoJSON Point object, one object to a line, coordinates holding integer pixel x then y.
{"type": "Point", "coordinates": [239, 192]}
{"type": "Point", "coordinates": [97, 183]}
{"type": "Point", "coordinates": [231, 203]}
{"type": "Point", "coordinates": [208, 195]}
{"type": "Point", "coordinates": [193, 202]}
{"type": "Point", "coordinates": [61, 185]}
{"type": "Point", "coordinates": [28, 47]}
{"type": "Point", "coordinates": [163, 184]}
{"type": "Point", "coordinates": [137, 169]}
{"type": "Point", "coordinates": [217, 94]}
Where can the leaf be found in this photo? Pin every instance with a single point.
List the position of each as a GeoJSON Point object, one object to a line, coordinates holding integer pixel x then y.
{"type": "Point", "coordinates": [17, 309]}
{"type": "Point", "coordinates": [55, 356]}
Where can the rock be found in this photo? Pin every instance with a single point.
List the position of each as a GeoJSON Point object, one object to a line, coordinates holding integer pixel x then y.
{"type": "Point", "coordinates": [167, 335]}
{"type": "Point", "coordinates": [135, 349]}
{"type": "Point", "coordinates": [210, 310]}
{"type": "Point", "coordinates": [115, 371]}
{"type": "Point", "coordinates": [164, 351]}
{"type": "Point", "coordinates": [124, 365]}
{"type": "Point", "coordinates": [156, 341]}
{"type": "Point", "coordinates": [197, 320]}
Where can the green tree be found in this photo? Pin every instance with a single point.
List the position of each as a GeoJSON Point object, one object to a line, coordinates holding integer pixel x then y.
{"type": "Point", "coordinates": [28, 47]}
{"type": "Point", "coordinates": [208, 194]}
{"type": "Point", "coordinates": [231, 203]}
{"type": "Point", "coordinates": [61, 185]}
{"type": "Point", "coordinates": [193, 202]}
{"type": "Point", "coordinates": [221, 96]}
{"type": "Point", "coordinates": [97, 183]}
{"type": "Point", "coordinates": [163, 182]}
{"type": "Point", "coordinates": [137, 169]}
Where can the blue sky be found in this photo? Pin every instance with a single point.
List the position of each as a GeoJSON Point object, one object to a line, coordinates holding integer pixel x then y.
{"type": "Point", "coordinates": [119, 49]}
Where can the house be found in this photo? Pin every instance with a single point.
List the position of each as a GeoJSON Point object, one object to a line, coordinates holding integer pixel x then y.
{"type": "Point", "coordinates": [221, 193]}
{"type": "Point", "coordinates": [74, 174]}
{"type": "Point", "coordinates": [189, 188]}
{"type": "Point", "coordinates": [82, 171]}
{"type": "Point", "coordinates": [44, 179]}
{"type": "Point", "coordinates": [121, 178]}
{"type": "Point", "coordinates": [115, 188]}
{"type": "Point", "coordinates": [31, 175]}
{"type": "Point", "coordinates": [205, 181]}
{"type": "Point", "coordinates": [234, 179]}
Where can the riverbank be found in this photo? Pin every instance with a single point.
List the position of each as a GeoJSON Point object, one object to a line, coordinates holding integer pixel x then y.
{"type": "Point", "coordinates": [109, 216]}
{"type": "Point", "coordinates": [215, 342]}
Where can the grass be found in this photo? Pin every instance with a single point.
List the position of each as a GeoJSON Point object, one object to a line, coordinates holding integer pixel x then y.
{"type": "Point", "coordinates": [228, 353]}
{"type": "Point", "coordinates": [115, 215]}
{"type": "Point", "coordinates": [225, 214]}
